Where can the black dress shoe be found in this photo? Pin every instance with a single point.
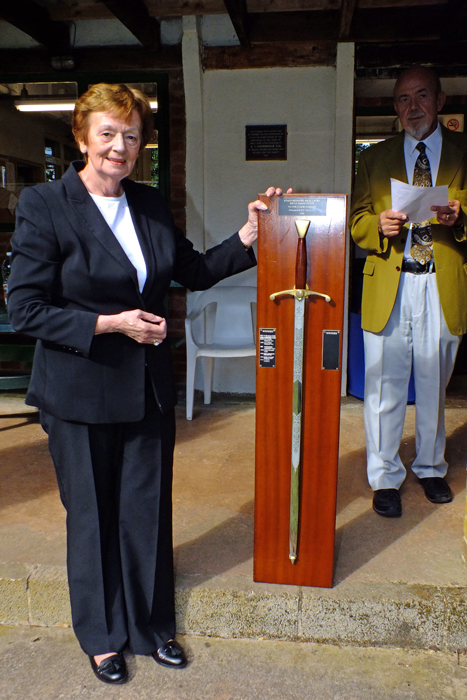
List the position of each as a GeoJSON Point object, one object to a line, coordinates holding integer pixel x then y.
{"type": "Point", "coordinates": [436, 489]}
{"type": "Point", "coordinates": [110, 670]}
{"type": "Point", "coordinates": [387, 502]}
{"type": "Point", "coordinates": [170, 654]}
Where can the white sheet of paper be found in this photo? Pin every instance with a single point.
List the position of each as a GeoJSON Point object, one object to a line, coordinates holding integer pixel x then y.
{"type": "Point", "coordinates": [415, 202]}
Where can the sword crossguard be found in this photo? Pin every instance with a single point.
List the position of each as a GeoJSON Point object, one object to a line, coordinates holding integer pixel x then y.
{"type": "Point", "coordinates": [300, 294]}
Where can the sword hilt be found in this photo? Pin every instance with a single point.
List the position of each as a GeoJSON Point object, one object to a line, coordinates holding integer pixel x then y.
{"type": "Point", "coordinates": [301, 294]}
{"type": "Point", "coordinates": [301, 291]}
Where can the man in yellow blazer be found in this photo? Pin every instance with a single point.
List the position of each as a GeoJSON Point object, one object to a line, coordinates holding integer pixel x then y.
{"type": "Point", "coordinates": [414, 304]}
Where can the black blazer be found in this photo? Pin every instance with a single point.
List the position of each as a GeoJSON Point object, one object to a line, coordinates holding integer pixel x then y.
{"type": "Point", "coordinates": [68, 267]}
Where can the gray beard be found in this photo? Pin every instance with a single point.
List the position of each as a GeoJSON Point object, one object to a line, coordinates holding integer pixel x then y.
{"type": "Point", "coordinates": [419, 132]}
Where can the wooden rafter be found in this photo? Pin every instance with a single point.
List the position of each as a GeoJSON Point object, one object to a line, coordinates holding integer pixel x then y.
{"type": "Point", "coordinates": [457, 9]}
{"type": "Point", "coordinates": [127, 58]}
{"type": "Point", "coordinates": [33, 20]}
{"type": "Point", "coordinates": [238, 14]}
{"type": "Point", "coordinates": [135, 17]}
{"type": "Point", "coordinates": [398, 24]}
{"type": "Point", "coordinates": [293, 26]}
{"type": "Point", "coordinates": [369, 25]}
{"type": "Point", "coordinates": [439, 53]}
{"type": "Point", "coordinates": [346, 18]}
{"type": "Point", "coordinates": [290, 55]}
{"type": "Point", "coordinates": [257, 22]}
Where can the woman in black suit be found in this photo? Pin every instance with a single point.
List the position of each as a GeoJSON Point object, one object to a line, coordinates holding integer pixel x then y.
{"type": "Point", "coordinates": [93, 258]}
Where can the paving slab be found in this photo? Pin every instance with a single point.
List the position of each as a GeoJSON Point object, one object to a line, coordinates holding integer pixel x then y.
{"type": "Point", "coordinates": [47, 664]}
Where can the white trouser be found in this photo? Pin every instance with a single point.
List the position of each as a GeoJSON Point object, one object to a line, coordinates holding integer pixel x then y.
{"type": "Point", "coordinates": [416, 328]}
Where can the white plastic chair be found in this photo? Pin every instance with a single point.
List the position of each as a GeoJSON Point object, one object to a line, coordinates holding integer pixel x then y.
{"type": "Point", "coordinates": [231, 303]}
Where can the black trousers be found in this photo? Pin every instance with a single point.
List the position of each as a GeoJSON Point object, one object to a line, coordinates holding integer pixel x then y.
{"type": "Point", "coordinates": [115, 481]}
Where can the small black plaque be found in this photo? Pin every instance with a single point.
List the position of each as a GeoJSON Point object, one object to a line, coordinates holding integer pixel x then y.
{"type": "Point", "coordinates": [302, 206]}
{"type": "Point", "coordinates": [267, 347]}
{"type": "Point", "coordinates": [266, 142]}
{"type": "Point", "coordinates": [331, 348]}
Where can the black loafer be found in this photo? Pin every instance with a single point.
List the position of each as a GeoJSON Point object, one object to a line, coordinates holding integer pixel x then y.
{"type": "Point", "coordinates": [387, 502]}
{"type": "Point", "coordinates": [170, 654]}
{"type": "Point", "coordinates": [110, 670]}
{"type": "Point", "coordinates": [436, 489]}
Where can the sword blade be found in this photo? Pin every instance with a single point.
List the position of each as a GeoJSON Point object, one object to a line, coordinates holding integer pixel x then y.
{"type": "Point", "coordinates": [299, 325]}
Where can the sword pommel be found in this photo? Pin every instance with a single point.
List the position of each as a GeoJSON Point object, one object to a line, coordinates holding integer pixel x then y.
{"type": "Point", "coordinates": [300, 261]}
{"type": "Point", "coordinates": [302, 226]}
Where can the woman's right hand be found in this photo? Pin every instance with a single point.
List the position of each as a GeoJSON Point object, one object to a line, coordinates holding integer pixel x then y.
{"type": "Point", "coordinates": [141, 326]}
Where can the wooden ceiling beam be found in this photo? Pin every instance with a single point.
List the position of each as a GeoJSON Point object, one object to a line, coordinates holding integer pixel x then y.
{"type": "Point", "coordinates": [403, 54]}
{"type": "Point", "coordinates": [33, 20]}
{"type": "Point", "coordinates": [398, 24]}
{"type": "Point", "coordinates": [376, 4]}
{"type": "Point", "coordinates": [16, 62]}
{"type": "Point", "coordinates": [457, 10]}
{"type": "Point", "coordinates": [136, 18]}
{"type": "Point", "coordinates": [293, 26]}
{"type": "Point", "coordinates": [291, 5]}
{"type": "Point", "coordinates": [371, 25]}
{"type": "Point", "coordinates": [155, 8]}
{"type": "Point", "coordinates": [176, 8]}
{"type": "Point", "coordinates": [346, 19]}
{"type": "Point", "coordinates": [289, 55]}
{"type": "Point", "coordinates": [239, 18]}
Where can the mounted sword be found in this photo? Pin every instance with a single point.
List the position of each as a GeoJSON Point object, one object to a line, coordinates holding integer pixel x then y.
{"type": "Point", "coordinates": [300, 292]}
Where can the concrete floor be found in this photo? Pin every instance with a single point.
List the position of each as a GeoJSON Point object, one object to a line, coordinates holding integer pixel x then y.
{"type": "Point", "coordinates": [48, 664]}
{"type": "Point", "coordinates": [213, 499]}
{"type": "Point", "coordinates": [415, 558]}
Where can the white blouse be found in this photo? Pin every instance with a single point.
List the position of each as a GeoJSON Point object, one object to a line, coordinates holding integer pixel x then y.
{"type": "Point", "coordinates": [116, 212]}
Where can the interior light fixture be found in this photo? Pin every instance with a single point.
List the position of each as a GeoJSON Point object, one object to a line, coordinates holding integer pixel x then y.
{"type": "Point", "coordinates": [63, 105]}
{"type": "Point", "coordinates": [363, 140]}
{"type": "Point", "coordinates": [37, 105]}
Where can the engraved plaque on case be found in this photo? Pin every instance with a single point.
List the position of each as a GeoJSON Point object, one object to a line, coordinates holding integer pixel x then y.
{"type": "Point", "coordinates": [267, 347]}
{"type": "Point", "coordinates": [302, 206]}
{"type": "Point", "coordinates": [331, 348]}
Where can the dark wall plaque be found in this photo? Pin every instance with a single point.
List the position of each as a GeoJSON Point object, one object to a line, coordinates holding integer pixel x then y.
{"type": "Point", "coordinates": [302, 206]}
{"type": "Point", "coordinates": [266, 142]}
{"type": "Point", "coordinates": [267, 347]}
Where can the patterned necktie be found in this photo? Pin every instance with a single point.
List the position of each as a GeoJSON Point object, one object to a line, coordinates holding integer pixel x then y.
{"type": "Point", "coordinates": [422, 244]}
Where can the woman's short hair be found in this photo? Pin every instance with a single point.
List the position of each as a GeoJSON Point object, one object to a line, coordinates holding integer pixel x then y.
{"type": "Point", "coordinates": [119, 100]}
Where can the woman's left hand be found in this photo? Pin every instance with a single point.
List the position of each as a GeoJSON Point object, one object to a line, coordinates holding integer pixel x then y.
{"type": "Point", "coordinates": [249, 232]}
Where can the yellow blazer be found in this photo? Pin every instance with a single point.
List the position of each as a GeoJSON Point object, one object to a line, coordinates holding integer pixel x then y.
{"type": "Point", "coordinates": [372, 195]}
